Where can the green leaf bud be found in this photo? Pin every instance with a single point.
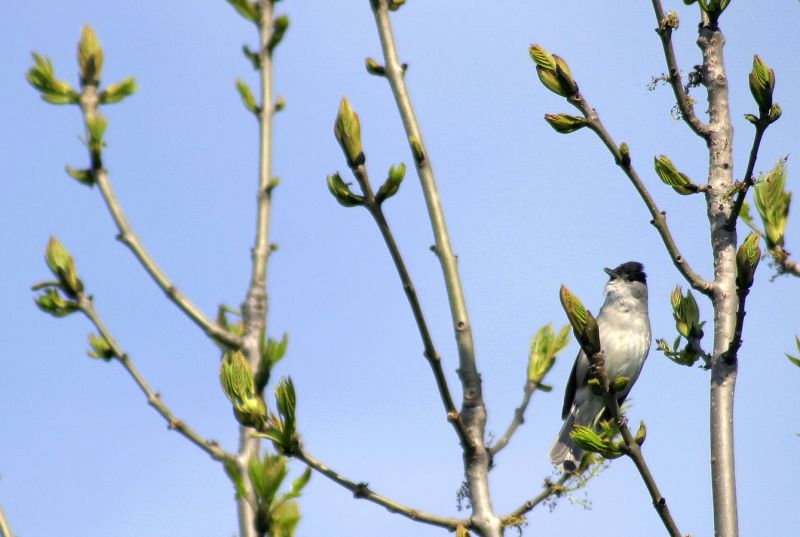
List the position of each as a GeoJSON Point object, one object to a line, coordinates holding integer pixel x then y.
{"type": "Point", "coordinates": [253, 56]}
{"type": "Point", "coordinates": [669, 175]}
{"type": "Point", "coordinates": [342, 192]}
{"type": "Point", "coordinates": [42, 77]}
{"type": "Point", "coordinates": [116, 92]}
{"type": "Point", "coordinates": [542, 58]}
{"type": "Point", "coordinates": [641, 434]}
{"type": "Point", "coordinates": [374, 68]}
{"type": "Point", "coordinates": [348, 133]}
{"type": "Point", "coordinates": [751, 118]}
{"type": "Point", "coordinates": [280, 104]}
{"type": "Point", "coordinates": [90, 57]}
{"type": "Point", "coordinates": [248, 99]}
{"type": "Point", "coordinates": [101, 348]}
{"type": "Point", "coordinates": [545, 345]}
{"type": "Point", "coordinates": [83, 176]}
{"type": "Point", "coordinates": [775, 113]}
{"type": "Point", "coordinates": [249, 10]}
{"type": "Point", "coordinates": [590, 441]}
{"type": "Point", "coordinates": [620, 384]}
{"type": "Point", "coordinates": [772, 202]}
{"type": "Point", "coordinates": [96, 126]}
{"type": "Point", "coordinates": [62, 266]}
{"type": "Point", "coordinates": [747, 258]}
{"type": "Point", "coordinates": [624, 154]}
{"type": "Point", "coordinates": [51, 301]}
{"type": "Point", "coordinates": [394, 5]}
{"type": "Point", "coordinates": [392, 184]}
{"type": "Point", "coordinates": [584, 325]}
{"type": "Point", "coordinates": [416, 149]}
{"type": "Point", "coordinates": [564, 123]}
{"type": "Point", "coordinates": [279, 27]}
{"type": "Point", "coordinates": [762, 84]}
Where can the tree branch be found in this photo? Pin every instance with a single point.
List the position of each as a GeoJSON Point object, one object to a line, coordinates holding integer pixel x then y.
{"type": "Point", "coordinates": [89, 102]}
{"type": "Point", "coordinates": [725, 300]}
{"type": "Point", "coordinates": [473, 410]}
{"type": "Point", "coordinates": [210, 447]}
{"type": "Point", "coordinates": [5, 528]}
{"type": "Point", "coordinates": [519, 419]}
{"type": "Point", "coordinates": [431, 354]}
{"type": "Point", "coordinates": [785, 265]}
{"type": "Point", "coordinates": [631, 448]}
{"type": "Point", "coordinates": [254, 308]}
{"type": "Point", "coordinates": [550, 489]}
{"type": "Point", "coordinates": [659, 220]}
{"type": "Point", "coordinates": [361, 490]}
{"type": "Point", "coordinates": [685, 105]}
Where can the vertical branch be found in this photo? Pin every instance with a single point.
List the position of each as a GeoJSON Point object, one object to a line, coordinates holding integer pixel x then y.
{"type": "Point", "coordinates": [254, 308]}
{"type": "Point", "coordinates": [473, 410]}
{"type": "Point", "coordinates": [725, 300]}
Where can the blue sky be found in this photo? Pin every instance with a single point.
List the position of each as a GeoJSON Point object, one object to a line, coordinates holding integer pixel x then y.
{"type": "Point", "coordinates": [528, 209]}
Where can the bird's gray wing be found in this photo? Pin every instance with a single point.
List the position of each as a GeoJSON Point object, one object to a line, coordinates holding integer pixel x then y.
{"type": "Point", "coordinates": [569, 394]}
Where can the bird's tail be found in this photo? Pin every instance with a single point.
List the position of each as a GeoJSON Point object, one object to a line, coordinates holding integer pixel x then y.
{"type": "Point", "coordinates": [565, 451]}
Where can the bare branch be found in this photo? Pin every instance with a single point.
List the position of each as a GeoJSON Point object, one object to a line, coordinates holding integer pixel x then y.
{"type": "Point", "coordinates": [473, 410]}
{"type": "Point", "coordinates": [664, 31]}
{"type": "Point", "coordinates": [211, 447]}
{"type": "Point", "coordinates": [361, 490]}
{"type": "Point", "coordinates": [89, 106]}
{"type": "Point", "coordinates": [431, 354]}
{"type": "Point", "coordinates": [519, 419]}
{"type": "Point", "coordinates": [659, 220]}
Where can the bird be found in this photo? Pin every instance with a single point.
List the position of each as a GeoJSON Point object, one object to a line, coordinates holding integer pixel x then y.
{"type": "Point", "coordinates": [624, 328]}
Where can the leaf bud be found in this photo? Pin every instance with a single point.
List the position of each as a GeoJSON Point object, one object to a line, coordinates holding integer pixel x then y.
{"type": "Point", "coordinates": [392, 184]}
{"type": "Point", "coordinates": [342, 192]}
{"type": "Point", "coordinates": [347, 130]}
{"type": "Point", "coordinates": [374, 68]}
{"type": "Point", "coordinates": [53, 303]}
{"type": "Point", "coordinates": [90, 57]}
{"type": "Point", "coordinates": [762, 83]}
{"type": "Point", "coordinates": [248, 99]}
{"type": "Point", "coordinates": [62, 266]}
{"type": "Point", "coordinates": [775, 113]}
{"type": "Point", "coordinates": [747, 258]}
{"type": "Point", "coordinates": [624, 154]}
{"type": "Point", "coordinates": [670, 175]}
{"type": "Point", "coordinates": [564, 123]}
{"type": "Point", "coordinates": [416, 149]}
{"type": "Point", "coordinates": [279, 27]}
{"type": "Point", "coordinates": [101, 348]}
{"type": "Point", "coordinates": [116, 92]}
{"type": "Point", "coordinates": [394, 5]}
{"type": "Point", "coordinates": [83, 176]}
{"type": "Point", "coordinates": [641, 434]}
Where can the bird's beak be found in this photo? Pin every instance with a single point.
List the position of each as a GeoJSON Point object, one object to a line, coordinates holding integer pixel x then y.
{"type": "Point", "coordinates": [611, 273]}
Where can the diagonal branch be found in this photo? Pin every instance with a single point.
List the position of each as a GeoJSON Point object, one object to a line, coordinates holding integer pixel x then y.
{"type": "Point", "coordinates": [631, 447]}
{"type": "Point", "coordinates": [431, 354]}
{"type": "Point", "coordinates": [659, 220]}
{"type": "Point", "coordinates": [89, 106]}
{"type": "Point", "coordinates": [685, 105]}
{"type": "Point", "coordinates": [519, 419]}
{"type": "Point", "coordinates": [749, 180]}
{"type": "Point", "coordinates": [473, 410]}
{"type": "Point", "coordinates": [551, 488]}
{"type": "Point", "coordinates": [361, 490]}
{"type": "Point", "coordinates": [211, 447]}
{"type": "Point", "coordinates": [5, 528]}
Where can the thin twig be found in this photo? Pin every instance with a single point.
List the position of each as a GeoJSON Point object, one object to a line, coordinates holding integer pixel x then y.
{"type": "Point", "coordinates": [631, 448]}
{"type": "Point", "coordinates": [361, 490]}
{"type": "Point", "coordinates": [5, 527]}
{"type": "Point", "coordinates": [659, 220]}
{"type": "Point", "coordinates": [431, 354]}
{"type": "Point", "coordinates": [664, 31]}
{"type": "Point", "coordinates": [211, 447]}
{"type": "Point", "coordinates": [761, 126]}
{"type": "Point", "coordinates": [254, 308]}
{"type": "Point", "coordinates": [550, 489]}
{"type": "Point", "coordinates": [785, 265]}
{"type": "Point", "coordinates": [519, 419]}
{"type": "Point", "coordinates": [89, 105]}
{"type": "Point", "coordinates": [473, 410]}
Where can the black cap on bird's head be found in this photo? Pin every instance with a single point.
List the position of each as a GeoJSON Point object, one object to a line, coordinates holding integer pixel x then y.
{"type": "Point", "coordinates": [632, 271]}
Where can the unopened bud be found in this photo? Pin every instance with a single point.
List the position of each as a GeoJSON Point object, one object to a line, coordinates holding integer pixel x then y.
{"type": "Point", "coordinates": [374, 68]}
{"type": "Point", "coordinates": [564, 123]}
{"type": "Point", "coordinates": [348, 133]}
{"type": "Point", "coordinates": [762, 83]}
{"type": "Point", "coordinates": [670, 175]}
{"type": "Point", "coordinates": [392, 184]}
{"type": "Point", "coordinates": [342, 192]}
{"type": "Point", "coordinates": [90, 56]}
{"type": "Point", "coordinates": [62, 266]}
{"type": "Point", "coordinates": [747, 258]}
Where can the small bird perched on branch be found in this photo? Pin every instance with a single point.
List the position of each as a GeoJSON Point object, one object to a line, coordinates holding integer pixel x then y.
{"type": "Point", "coordinates": [624, 329]}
